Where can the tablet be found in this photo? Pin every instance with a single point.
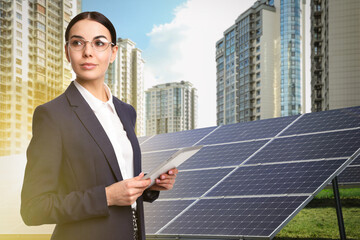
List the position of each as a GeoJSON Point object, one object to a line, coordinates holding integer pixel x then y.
{"type": "Point", "coordinates": [173, 162]}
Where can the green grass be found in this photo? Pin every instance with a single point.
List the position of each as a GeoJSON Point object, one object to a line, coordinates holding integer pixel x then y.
{"type": "Point", "coordinates": [345, 193]}
{"type": "Point", "coordinates": [318, 220]}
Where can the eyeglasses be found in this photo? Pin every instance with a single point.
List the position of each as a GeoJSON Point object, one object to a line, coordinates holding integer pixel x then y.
{"type": "Point", "coordinates": [99, 44]}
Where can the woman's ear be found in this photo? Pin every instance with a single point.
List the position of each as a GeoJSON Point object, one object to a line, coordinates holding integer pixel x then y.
{"type": "Point", "coordinates": [114, 50]}
{"type": "Point", "coordinates": [67, 52]}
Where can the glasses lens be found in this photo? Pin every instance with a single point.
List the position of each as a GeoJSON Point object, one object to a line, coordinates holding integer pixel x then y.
{"type": "Point", "coordinates": [76, 44]}
{"type": "Point", "coordinates": [100, 44]}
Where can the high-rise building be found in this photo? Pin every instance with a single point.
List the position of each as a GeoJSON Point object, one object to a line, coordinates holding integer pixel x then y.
{"type": "Point", "coordinates": [335, 54]}
{"type": "Point", "coordinates": [33, 67]}
{"type": "Point", "coordinates": [171, 107]}
{"type": "Point", "coordinates": [260, 63]}
{"type": "Point", "coordinates": [125, 78]}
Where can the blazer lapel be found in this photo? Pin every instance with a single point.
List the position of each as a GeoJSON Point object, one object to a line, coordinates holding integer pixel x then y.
{"type": "Point", "coordinates": [92, 124]}
{"type": "Point", "coordinates": [125, 117]}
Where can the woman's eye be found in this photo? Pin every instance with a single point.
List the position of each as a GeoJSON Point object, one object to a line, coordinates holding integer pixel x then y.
{"type": "Point", "coordinates": [76, 43]}
{"type": "Point", "coordinates": [99, 43]}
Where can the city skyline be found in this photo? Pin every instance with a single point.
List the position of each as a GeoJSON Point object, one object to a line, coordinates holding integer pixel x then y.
{"type": "Point", "coordinates": [182, 46]}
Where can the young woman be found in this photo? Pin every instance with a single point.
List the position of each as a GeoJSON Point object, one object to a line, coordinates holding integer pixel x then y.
{"type": "Point", "coordinates": [84, 161]}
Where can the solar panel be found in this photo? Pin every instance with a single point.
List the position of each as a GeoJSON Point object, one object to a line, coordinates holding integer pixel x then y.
{"type": "Point", "coordinates": [351, 175]}
{"type": "Point", "coordinates": [159, 214]}
{"type": "Point", "coordinates": [143, 139]}
{"type": "Point", "coordinates": [176, 139]}
{"type": "Point", "coordinates": [234, 217]}
{"type": "Point", "coordinates": [251, 130]}
{"type": "Point", "coordinates": [297, 177]}
{"type": "Point", "coordinates": [250, 179]}
{"type": "Point", "coordinates": [193, 184]}
{"type": "Point", "coordinates": [307, 147]}
{"type": "Point", "coordinates": [356, 161]}
{"type": "Point", "coordinates": [222, 155]}
{"type": "Point", "coordinates": [326, 121]}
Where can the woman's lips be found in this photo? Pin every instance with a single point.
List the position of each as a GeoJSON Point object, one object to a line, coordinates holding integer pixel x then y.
{"type": "Point", "coordinates": [88, 66]}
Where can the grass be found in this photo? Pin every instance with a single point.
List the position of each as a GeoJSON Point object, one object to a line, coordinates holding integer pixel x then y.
{"type": "Point", "coordinates": [318, 220]}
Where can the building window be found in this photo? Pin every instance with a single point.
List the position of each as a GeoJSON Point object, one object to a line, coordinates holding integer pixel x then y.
{"type": "Point", "coordinates": [18, 34]}
{"type": "Point", "coordinates": [18, 16]}
{"type": "Point", "coordinates": [258, 84]}
{"type": "Point", "coordinates": [257, 92]}
{"type": "Point", "coordinates": [18, 61]}
{"type": "Point", "coordinates": [258, 109]}
{"type": "Point", "coordinates": [258, 40]}
{"type": "Point", "coordinates": [258, 49]}
{"type": "Point", "coordinates": [258, 75]}
{"type": "Point", "coordinates": [258, 66]}
{"type": "Point", "coordinates": [18, 71]}
{"type": "Point", "coordinates": [18, 7]}
{"type": "Point", "coordinates": [19, 25]}
{"type": "Point", "coordinates": [19, 52]}
{"type": "Point", "coordinates": [258, 101]}
{"type": "Point", "coordinates": [258, 57]}
{"type": "Point", "coordinates": [19, 43]}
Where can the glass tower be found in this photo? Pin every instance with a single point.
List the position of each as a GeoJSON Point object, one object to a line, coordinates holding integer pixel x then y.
{"type": "Point", "coordinates": [290, 30]}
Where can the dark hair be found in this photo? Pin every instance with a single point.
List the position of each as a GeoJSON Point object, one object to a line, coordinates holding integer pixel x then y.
{"type": "Point", "coordinates": [96, 16]}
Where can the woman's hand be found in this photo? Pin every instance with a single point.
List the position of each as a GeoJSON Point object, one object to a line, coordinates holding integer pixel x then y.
{"type": "Point", "coordinates": [125, 193]}
{"type": "Point", "coordinates": [165, 181]}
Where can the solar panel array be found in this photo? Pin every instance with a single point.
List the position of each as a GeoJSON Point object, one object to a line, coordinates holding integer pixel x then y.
{"type": "Point", "coordinates": [250, 179]}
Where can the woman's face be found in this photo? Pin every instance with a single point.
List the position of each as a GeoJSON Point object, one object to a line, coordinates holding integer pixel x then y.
{"type": "Point", "coordinates": [88, 63]}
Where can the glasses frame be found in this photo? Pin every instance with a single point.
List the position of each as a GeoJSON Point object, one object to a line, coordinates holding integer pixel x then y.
{"type": "Point", "coordinates": [91, 44]}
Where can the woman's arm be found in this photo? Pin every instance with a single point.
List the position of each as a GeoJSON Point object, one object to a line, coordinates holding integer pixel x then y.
{"type": "Point", "coordinates": [41, 202]}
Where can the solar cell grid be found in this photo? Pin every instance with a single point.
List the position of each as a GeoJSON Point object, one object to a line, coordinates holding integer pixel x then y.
{"type": "Point", "coordinates": [316, 146]}
{"type": "Point", "coordinates": [234, 217]}
{"type": "Point", "coordinates": [351, 175]}
{"type": "Point", "coordinates": [175, 140]}
{"type": "Point", "coordinates": [160, 213]}
{"type": "Point", "coordinates": [300, 177]}
{"type": "Point", "coordinates": [194, 184]}
{"type": "Point", "coordinates": [356, 161]}
{"type": "Point", "coordinates": [151, 160]}
{"type": "Point", "coordinates": [326, 121]}
{"type": "Point", "coordinates": [246, 131]}
{"type": "Point", "coordinates": [222, 155]}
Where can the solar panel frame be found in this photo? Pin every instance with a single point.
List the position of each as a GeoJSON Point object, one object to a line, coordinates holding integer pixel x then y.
{"type": "Point", "coordinates": [201, 181]}
{"type": "Point", "coordinates": [231, 131]}
{"type": "Point", "coordinates": [350, 176]}
{"type": "Point", "coordinates": [319, 121]}
{"type": "Point", "coordinates": [258, 179]}
{"type": "Point", "coordinates": [309, 197]}
{"type": "Point", "coordinates": [208, 156]}
{"type": "Point", "coordinates": [306, 147]}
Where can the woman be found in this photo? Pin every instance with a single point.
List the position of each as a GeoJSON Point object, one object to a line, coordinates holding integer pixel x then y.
{"type": "Point", "coordinates": [84, 160]}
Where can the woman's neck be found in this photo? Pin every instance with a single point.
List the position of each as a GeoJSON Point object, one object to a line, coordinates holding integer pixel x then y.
{"type": "Point", "coordinates": [96, 88]}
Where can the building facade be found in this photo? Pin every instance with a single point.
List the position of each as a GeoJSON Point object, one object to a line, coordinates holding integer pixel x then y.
{"type": "Point", "coordinates": [335, 54]}
{"type": "Point", "coordinates": [33, 66]}
{"type": "Point", "coordinates": [125, 78]}
{"type": "Point", "coordinates": [260, 63]}
{"type": "Point", "coordinates": [171, 107]}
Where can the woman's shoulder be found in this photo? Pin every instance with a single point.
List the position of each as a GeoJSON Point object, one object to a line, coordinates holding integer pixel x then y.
{"type": "Point", "coordinates": [53, 106]}
{"type": "Point", "coordinates": [123, 104]}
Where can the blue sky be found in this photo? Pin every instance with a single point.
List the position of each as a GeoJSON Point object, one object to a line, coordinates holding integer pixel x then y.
{"type": "Point", "coordinates": [133, 19]}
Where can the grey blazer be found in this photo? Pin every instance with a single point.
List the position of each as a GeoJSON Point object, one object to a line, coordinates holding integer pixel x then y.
{"type": "Point", "coordinates": [70, 161]}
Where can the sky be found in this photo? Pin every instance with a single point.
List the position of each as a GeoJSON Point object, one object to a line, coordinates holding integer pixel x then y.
{"type": "Point", "coordinates": [177, 39]}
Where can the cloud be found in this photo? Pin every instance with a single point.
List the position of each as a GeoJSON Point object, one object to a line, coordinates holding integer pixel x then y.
{"type": "Point", "coordinates": [184, 49]}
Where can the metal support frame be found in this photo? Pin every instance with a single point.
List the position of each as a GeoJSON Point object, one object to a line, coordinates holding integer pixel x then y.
{"type": "Point", "coordinates": [338, 209]}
